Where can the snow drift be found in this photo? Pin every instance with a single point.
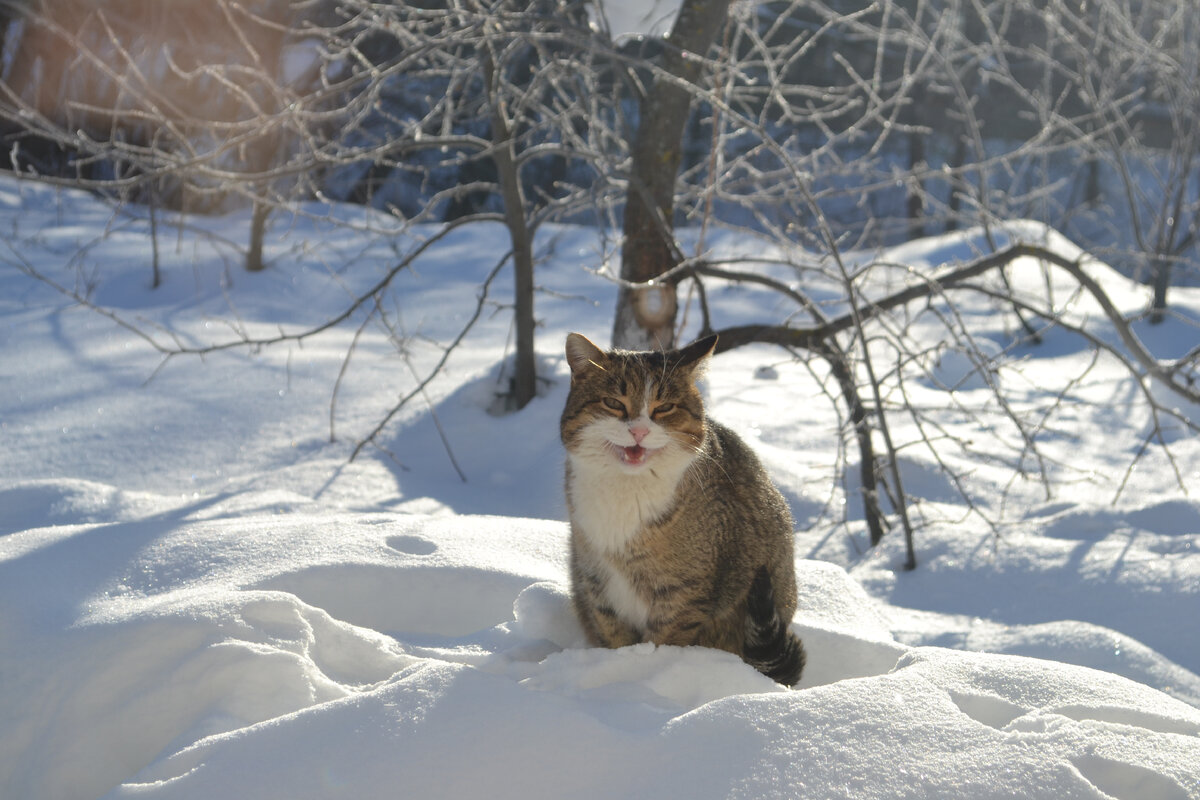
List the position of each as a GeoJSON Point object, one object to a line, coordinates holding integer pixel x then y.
{"type": "Point", "coordinates": [199, 597]}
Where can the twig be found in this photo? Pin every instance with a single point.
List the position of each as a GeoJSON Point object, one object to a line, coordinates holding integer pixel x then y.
{"type": "Point", "coordinates": [462, 334]}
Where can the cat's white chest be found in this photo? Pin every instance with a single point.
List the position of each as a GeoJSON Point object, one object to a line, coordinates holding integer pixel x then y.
{"type": "Point", "coordinates": [624, 599]}
{"type": "Point", "coordinates": [610, 507]}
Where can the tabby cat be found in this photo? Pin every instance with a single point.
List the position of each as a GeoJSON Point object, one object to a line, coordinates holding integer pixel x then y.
{"type": "Point", "coordinates": [677, 535]}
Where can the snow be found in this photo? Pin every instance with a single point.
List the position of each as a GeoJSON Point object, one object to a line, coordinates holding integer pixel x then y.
{"type": "Point", "coordinates": [635, 18]}
{"type": "Point", "coordinates": [200, 596]}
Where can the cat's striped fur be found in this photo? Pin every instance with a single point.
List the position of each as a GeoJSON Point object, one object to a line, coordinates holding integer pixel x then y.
{"type": "Point", "coordinates": [677, 535]}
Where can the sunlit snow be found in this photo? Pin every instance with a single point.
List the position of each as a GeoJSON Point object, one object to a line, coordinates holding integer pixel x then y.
{"type": "Point", "coordinates": [201, 597]}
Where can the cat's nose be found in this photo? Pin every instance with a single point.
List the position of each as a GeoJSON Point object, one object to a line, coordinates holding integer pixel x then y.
{"type": "Point", "coordinates": [638, 432]}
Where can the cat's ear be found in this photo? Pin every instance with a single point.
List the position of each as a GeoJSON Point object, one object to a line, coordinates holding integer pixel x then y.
{"type": "Point", "coordinates": [582, 354]}
{"type": "Point", "coordinates": [696, 353]}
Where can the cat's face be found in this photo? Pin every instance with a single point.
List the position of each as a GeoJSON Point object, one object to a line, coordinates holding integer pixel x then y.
{"type": "Point", "coordinates": [632, 410]}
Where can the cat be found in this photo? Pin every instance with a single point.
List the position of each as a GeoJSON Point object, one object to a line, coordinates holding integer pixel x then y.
{"type": "Point", "coordinates": [678, 536]}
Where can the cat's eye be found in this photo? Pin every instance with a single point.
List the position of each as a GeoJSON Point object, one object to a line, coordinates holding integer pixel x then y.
{"type": "Point", "coordinates": [614, 404]}
{"type": "Point", "coordinates": [663, 408]}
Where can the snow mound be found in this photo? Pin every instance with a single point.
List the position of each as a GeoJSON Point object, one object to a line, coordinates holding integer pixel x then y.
{"type": "Point", "coordinates": [1093, 586]}
{"type": "Point", "coordinates": [346, 655]}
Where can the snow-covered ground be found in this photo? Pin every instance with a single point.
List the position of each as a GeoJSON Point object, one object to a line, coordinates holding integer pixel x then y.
{"type": "Point", "coordinates": [201, 597]}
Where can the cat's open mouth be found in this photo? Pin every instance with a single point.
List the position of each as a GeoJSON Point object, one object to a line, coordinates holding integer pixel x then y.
{"type": "Point", "coordinates": [634, 456]}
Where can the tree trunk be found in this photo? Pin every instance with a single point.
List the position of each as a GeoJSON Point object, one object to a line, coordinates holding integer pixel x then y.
{"type": "Point", "coordinates": [258, 226]}
{"type": "Point", "coordinates": [1162, 282]}
{"type": "Point", "coordinates": [645, 317]}
{"type": "Point", "coordinates": [524, 386]}
{"type": "Point", "coordinates": [957, 160]}
{"type": "Point", "coordinates": [915, 203]}
{"type": "Point", "coordinates": [152, 208]}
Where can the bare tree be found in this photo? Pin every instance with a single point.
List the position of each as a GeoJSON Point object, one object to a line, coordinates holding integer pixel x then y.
{"type": "Point", "coordinates": [645, 315]}
{"type": "Point", "coordinates": [277, 135]}
{"type": "Point", "coordinates": [822, 131]}
{"type": "Point", "coordinates": [809, 158]}
{"type": "Point", "coordinates": [1138, 65]}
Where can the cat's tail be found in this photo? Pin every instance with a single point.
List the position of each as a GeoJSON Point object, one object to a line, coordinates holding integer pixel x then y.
{"type": "Point", "coordinates": [770, 647]}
